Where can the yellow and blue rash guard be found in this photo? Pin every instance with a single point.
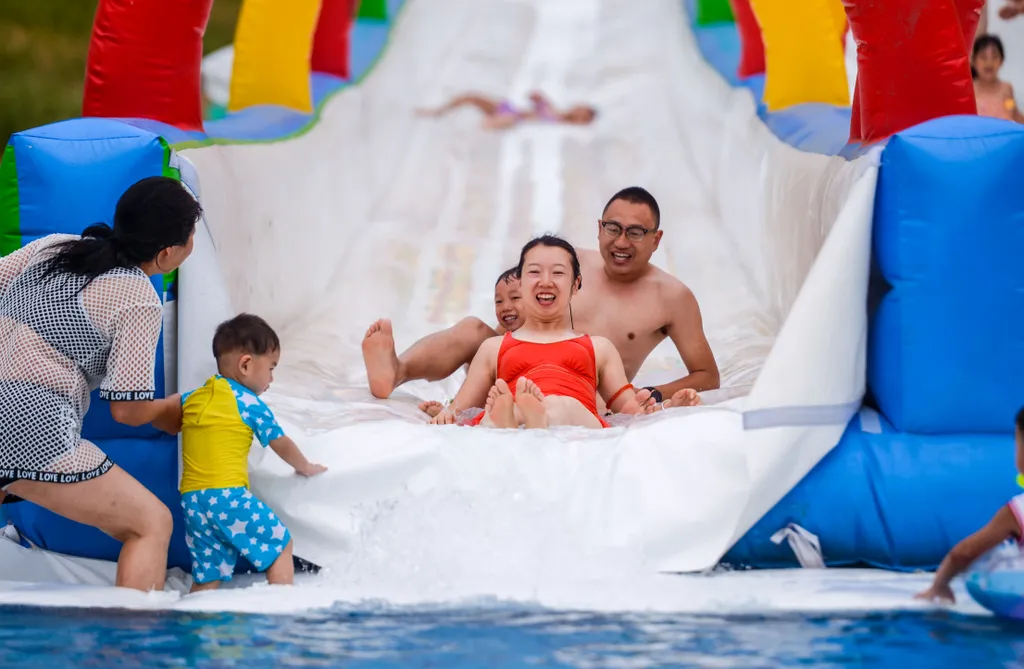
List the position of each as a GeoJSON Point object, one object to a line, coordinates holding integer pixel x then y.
{"type": "Point", "coordinates": [219, 421]}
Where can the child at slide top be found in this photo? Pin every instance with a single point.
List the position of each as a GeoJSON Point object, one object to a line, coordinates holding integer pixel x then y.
{"type": "Point", "coordinates": [223, 519]}
{"type": "Point", "coordinates": [1008, 523]}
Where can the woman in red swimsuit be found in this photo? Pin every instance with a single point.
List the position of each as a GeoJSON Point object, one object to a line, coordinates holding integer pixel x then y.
{"type": "Point", "coordinates": [544, 374]}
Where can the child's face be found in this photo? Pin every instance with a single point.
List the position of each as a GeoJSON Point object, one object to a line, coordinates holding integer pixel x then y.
{"type": "Point", "coordinates": [508, 304]}
{"type": "Point", "coordinates": [256, 372]}
{"type": "Point", "coordinates": [987, 63]}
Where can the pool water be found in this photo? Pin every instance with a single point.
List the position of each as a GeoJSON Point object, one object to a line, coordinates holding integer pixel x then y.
{"type": "Point", "coordinates": [58, 638]}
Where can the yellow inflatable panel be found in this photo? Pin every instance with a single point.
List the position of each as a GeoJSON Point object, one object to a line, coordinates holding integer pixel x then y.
{"type": "Point", "coordinates": [273, 43]}
{"type": "Point", "coordinates": [803, 52]}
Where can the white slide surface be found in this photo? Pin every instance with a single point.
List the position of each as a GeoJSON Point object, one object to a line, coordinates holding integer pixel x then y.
{"type": "Point", "coordinates": [378, 213]}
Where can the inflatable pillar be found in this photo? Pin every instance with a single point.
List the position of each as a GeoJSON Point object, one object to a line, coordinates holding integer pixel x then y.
{"type": "Point", "coordinates": [273, 47]}
{"type": "Point", "coordinates": [144, 61]}
{"type": "Point", "coordinates": [331, 40]}
{"type": "Point", "coordinates": [803, 53]}
{"type": "Point", "coordinates": [713, 11]}
{"type": "Point", "coordinates": [375, 10]}
{"type": "Point", "coordinates": [913, 62]}
{"type": "Point", "coordinates": [751, 44]}
{"type": "Point", "coordinates": [59, 179]}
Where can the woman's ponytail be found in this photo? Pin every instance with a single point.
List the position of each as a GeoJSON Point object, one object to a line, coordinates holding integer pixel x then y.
{"type": "Point", "coordinates": [95, 253]}
{"type": "Point", "coordinates": [154, 214]}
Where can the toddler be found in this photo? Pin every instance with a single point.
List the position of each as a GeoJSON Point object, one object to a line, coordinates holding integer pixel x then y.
{"type": "Point", "coordinates": [223, 519]}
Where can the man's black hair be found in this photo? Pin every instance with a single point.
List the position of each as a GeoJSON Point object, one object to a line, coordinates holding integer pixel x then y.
{"type": "Point", "coordinates": [638, 195]}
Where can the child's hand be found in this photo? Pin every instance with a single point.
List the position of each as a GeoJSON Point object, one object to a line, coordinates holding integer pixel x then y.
{"type": "Point", "coordinates": [311, 469]}
{"type": "Point", "coordinates": [942, 593]}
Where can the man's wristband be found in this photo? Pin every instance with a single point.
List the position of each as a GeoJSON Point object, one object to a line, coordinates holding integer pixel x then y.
{"type": "Point", "coordinates": [655, 393]}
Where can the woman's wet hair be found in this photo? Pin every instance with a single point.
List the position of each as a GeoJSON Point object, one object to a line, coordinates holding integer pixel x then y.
{"type": "Point", "coordinates": [154, 214]}
{"type": "Point", "coordinates": [556, 242]}
{"type": "Point", "coordinates": [983, 42]}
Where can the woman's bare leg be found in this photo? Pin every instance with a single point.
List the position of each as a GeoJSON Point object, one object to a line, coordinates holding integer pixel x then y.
{"type": "Point", "coordinates": [123, 508]}
{"type": "Point", "coordinates": [540, 411]}
{"type": "Point", "coordinates": [437, 356]}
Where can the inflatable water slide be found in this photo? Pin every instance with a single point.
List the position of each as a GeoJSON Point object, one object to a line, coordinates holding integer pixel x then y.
{"type": "Point", "coordinates": [855, 256]}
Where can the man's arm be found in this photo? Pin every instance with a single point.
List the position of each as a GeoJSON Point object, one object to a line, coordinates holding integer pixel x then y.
{"type": "Point", "coordinates": [686, 330]}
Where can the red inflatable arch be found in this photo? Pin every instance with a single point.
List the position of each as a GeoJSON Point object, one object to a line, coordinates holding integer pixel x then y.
{"type": "Point", "coordinates": [913, 63]}
{"type": "Point", "coordinates": [751, 43]}
{"type": "Point", "coordinates": [331, 41]}
{"type": "Point", "coordinates": [144, 61]}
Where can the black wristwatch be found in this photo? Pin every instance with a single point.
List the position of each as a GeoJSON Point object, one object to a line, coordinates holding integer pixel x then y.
{"type": "Point", "coordinates": [655, 393]}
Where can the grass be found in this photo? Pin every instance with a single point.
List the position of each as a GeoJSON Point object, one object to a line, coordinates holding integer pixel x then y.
{"type": "Point", "coordinates": [43, 49]}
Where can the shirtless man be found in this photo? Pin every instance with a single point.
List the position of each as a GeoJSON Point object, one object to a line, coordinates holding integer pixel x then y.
{"type": "Point", "coordinates": [624, 298]}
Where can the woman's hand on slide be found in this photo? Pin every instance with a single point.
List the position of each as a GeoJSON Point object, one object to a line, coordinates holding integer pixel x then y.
{"type": "Point", "coordinates": [641, 403]}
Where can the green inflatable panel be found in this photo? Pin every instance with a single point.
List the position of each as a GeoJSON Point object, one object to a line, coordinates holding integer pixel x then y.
{"type": "Point", "coordinates": [374, 9]}
{"type": "Point", "coordinates": [10, 209]}
{"type": "Point", "coordinates": [710, 11]}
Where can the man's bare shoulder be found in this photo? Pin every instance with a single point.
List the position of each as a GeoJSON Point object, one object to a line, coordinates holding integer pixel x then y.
{"type": "Point", "coordinates": [589, 258]}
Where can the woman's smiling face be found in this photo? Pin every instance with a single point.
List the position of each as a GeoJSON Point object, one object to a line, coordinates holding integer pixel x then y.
{"type": "Point", "coordinates": [547, 281]}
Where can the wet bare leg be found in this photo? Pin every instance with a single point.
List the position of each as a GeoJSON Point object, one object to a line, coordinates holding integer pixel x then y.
{"type": "Point", "coordinates": [437, 356]}
{"type": "Point", "coordinates": [200, 587]}
{"type": "Point", "coordinates": [530, 402]}
{"type": "Point", "coordinates": [499, 411]}
{"type": "Point", "coordinates": [282, 572]}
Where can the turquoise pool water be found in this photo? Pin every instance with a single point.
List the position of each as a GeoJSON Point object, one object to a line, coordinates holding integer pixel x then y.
{"type": "Point", "coordinates": [58, 638]}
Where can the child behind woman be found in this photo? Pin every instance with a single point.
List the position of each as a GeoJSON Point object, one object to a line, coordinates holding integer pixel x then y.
{"type": "Point", "coordinates": [995, 97]}
{"type": "Point", "coordinates": [1006, 524]}
{"type": "Point", "coordinates": [219, 420]}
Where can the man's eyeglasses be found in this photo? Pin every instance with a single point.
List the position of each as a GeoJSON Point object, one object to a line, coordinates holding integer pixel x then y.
{"type": "Point", "coordinates": [634, 233]}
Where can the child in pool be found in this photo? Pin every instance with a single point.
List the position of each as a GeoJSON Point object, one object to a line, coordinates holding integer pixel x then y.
{"type": "Point", "coordinates": [507, 299]}
{"type": "Point", "coordinates": [1006, 524]}
{"type": "Point", "coordinates": [995, 97]}
{"type": "Point", "coordinates": [223, 519]}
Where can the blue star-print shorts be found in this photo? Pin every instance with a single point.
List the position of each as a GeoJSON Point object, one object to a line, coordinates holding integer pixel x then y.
{"type": "Point", "coordinates": [221, 523]}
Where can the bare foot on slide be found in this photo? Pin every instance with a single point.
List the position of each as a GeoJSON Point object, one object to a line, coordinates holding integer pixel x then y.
{"type": "Point", "coordinates": [530, 401]}
{"type": "Point", "coordinates": [380, 358]}
{"type": "Point", "coordinates": [500, 407]}
{"type": "Point", "coordinates": [431, 408]}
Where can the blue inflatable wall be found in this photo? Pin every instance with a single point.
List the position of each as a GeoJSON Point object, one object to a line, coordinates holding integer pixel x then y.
{"type": "Point", "coordinates": [946, 342]}
{"type": "Point", "coordinates": [62, 178]}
